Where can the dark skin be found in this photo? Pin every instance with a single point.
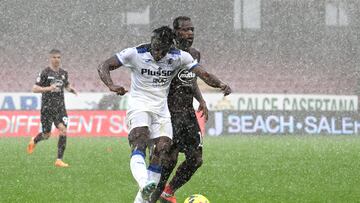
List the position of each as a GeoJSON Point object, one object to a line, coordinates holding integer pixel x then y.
{"type": "Point", "coordinates": [198, 96]}
{"type": "Point", "coordinates": [139, 136]}
{"type": "Point", "coordinates": [193, 157]}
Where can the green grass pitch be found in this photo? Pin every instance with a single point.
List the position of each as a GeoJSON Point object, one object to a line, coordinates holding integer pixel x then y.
{"type": "Point", "coordinates": [236, 169]}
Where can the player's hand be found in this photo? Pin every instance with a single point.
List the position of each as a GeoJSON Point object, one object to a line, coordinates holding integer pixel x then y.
{"type": "Point", "coordinates": [52, 87]}
{"type": "Point", "coordinates": [72, 90]}
{"type": "Point", "coordinates": [118, 89]}
{"type": "Point", "coordinates": [204, 110]}
{"type": "Point", "coordinates": [225, 89]}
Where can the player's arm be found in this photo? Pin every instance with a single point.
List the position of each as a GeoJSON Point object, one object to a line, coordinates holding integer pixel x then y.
{"type": "Point", "coordinates": [39, 89]}
{"type": "Point", "coordinates": [202, 104]}
{"type": "Point", "coordinates": [68, 85]}
{"type": "Point", "coordinates": [41, 86]}
{"type": "Point", "coordinates": [104, 72]}
{"type": "Point", "coordinates": [211, 79]}
{"type": "Point", "coordinates": [71, 89]}
{"type": "Point", "coordinates": [198, 96]}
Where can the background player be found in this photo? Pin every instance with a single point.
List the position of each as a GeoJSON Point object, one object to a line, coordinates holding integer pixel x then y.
{"type": "Point", "coordinates": [152, 68]}
{"type": "Point", "coordinates": [51, 82]}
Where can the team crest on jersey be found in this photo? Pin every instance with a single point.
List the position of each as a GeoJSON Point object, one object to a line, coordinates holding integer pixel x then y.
{"type": "Point", "coordinates": [170, 61]}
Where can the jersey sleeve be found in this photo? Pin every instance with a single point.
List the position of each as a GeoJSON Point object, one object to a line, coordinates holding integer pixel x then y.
{"type": "Point", "coordinates": [41, 79]}
{"type": "Point", "coordinates": [126, 56]}
{"type": "Point", "coordinates": [188, 61]}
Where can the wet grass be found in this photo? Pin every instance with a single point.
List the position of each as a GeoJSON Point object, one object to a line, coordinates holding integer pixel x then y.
{"type": "Point", "coordinates": [235, 169]}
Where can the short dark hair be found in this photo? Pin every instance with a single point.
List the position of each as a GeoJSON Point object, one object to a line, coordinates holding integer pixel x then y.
{"type": "Point", "coordinates": [55, 51]}
{"type": "Point", "coordinates": [165, 34]}
{"type": "Point", "coordinates": [176, 22]}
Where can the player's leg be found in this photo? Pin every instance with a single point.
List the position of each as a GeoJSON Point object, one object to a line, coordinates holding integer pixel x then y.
{"type": "Point", "coordinates": [186, 169]}
{"type": "Point", "coordinates": [166, 171]}
{"type": "Point", "coordinates": [61, 123]}
{"type": "Point", "coordinates": [46, 123]}
{"type": "Point", "coordinates": [154, 169]}
{"type": "Point", "coordinates": [162, 137]}
{"type": "Point", "coordinates": [166, 196]}
{"type": "Point", "coordinates": [138, 138]}
{"type": "Point", "coordinates": [191, 145]}
{"type": "Point", "coordinates": [153, 172]}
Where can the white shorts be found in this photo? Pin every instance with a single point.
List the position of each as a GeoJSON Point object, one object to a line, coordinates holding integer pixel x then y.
{"type": "Point", "coordinates": [159, 126]}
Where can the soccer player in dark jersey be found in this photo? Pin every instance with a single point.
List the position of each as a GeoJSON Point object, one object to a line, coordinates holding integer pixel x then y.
{"type": "Point", "coordinates": [51, 83]}
{"type": "Point", "coordinates": [187, 136]}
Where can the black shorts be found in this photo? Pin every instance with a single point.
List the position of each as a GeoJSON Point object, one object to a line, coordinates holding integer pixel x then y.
{"type": "Point", "coordinates": [186, 131]}
{"type": "Point", "coordinates": [50, 116]}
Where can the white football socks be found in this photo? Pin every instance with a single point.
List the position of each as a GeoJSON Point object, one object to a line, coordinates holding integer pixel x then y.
{"type": "Point", "coordinates": [138, 168]}
{"type": "Point", "coordinates": [154, 173]}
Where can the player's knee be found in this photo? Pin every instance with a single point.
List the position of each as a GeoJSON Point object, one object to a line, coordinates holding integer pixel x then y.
{"type": "Point", "coordinates": [63, 131]}
{"type": "Point", "coordinates": [46, 135]}
{"type": "Point", "coordinates": [138, 138]}
{"type": "Point", "coordinates": [163, 146]}
{"type": "Point", "coordinates": [196, 161]}
{"type": "Point", "coordinates": [162, 151]}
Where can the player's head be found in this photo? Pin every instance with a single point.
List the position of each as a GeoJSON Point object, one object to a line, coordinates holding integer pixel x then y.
{"type": "Point", "coordinates": [184, 32]}
{"type": "Point", "coordinates": [55, 58]}
{"type": "Point", "coordinates": [162, 40]}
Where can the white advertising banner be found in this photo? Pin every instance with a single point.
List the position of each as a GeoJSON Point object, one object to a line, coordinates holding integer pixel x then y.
{"type": "Point", "coordinates": [282, 102]}
{"type": "Point", "coordinates": [83, 101]}
{"type": "Point", "coordinates": [215, 102]}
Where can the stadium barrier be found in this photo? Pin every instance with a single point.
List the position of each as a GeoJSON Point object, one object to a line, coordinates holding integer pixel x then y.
{"type": "Point", "coordinates": [103, 114]}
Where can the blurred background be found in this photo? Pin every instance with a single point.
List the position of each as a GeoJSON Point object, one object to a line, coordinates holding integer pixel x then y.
{"type": "Point", "coordinates": [257, 46]}
{"type": "Point", "coordinates": [293, 66]}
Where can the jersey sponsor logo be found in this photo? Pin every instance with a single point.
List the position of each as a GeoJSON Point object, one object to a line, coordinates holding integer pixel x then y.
{"type": "Point", "coordinates": [59, 84]}
{"type": "Point", "coordinates": [186, 76]}
{"type": "Point", "coordinates": [159, 72]}
{"type": "Point", "coordinates": [160, 81]}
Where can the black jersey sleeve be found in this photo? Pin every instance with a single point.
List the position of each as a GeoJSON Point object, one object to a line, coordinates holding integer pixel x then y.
{"type": "Point", "coordinates": [41, 79]}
